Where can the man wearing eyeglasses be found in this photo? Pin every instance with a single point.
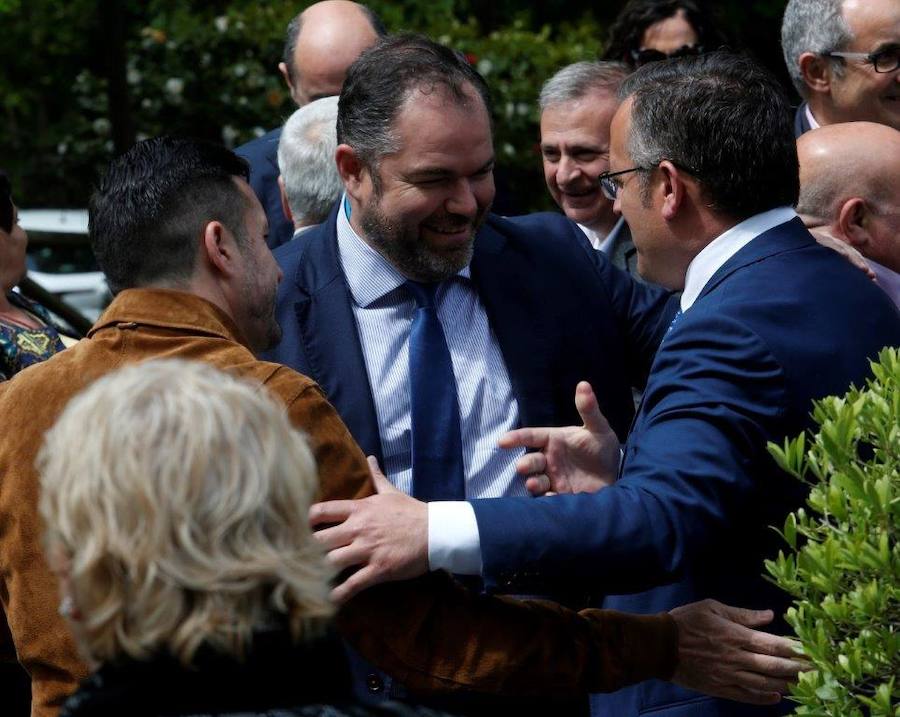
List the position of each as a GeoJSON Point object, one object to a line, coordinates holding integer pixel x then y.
{"type": "Point", "coordinates": [577, 104]}
{"type": "Point", "coordinates": [843, 57]}
{"type": "Point", "coordinates": [703, 166]}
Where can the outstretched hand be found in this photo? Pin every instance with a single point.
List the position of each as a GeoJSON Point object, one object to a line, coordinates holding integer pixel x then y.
{"type": "Point", "coordinates": [572, 459]}
{"type": "Point", "coordinates": [384, 535]}
{"type": "Point", "coordinates": [720, 654]}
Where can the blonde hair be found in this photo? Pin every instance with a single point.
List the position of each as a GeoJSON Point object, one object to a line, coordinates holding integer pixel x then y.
{"type": "Point", "coordinates": [179, 496]}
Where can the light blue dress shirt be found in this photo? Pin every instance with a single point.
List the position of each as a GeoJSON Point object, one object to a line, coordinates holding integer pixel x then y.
{"type": "Point", "coordinates": [487, 407]}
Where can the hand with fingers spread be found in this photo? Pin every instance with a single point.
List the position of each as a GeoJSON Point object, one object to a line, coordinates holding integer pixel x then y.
{"type": "Point", "coordinates": [571, 459]}
{"type": "Point", "coordinates": [719, 653]}
{"type": "Point", "coordinates": [384, 535]}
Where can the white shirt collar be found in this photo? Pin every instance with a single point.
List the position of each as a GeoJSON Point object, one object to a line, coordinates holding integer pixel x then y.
{"type": "Point", "coordinates": [725, 246]}
{"type": "Point", "coordinates": [813, 124]}
{"type": "Point", "coordinates": [369, 275]}
{"type": "Point", "coordinates": [599, 242]}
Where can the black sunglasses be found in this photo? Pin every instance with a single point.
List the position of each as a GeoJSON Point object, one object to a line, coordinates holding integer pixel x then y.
{"type": "Point", "coordinates": [642, 57]}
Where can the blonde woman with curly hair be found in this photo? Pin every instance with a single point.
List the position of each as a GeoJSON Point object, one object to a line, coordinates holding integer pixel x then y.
{"type": "Point", "coordinates": [175, 499]}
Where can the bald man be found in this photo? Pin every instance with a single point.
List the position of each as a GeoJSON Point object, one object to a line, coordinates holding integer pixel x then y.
{"type": "Point", "coordinates": [320, 44]}
{"type": "Point", "coordinates": [849, 188]}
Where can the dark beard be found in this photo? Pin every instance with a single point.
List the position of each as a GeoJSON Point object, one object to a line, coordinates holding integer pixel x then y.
{"type": "Point", "coordinates": [408, 254]}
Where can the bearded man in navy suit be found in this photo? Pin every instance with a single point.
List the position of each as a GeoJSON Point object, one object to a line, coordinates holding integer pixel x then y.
{"type": "Point", "coordinates": [703, 166]}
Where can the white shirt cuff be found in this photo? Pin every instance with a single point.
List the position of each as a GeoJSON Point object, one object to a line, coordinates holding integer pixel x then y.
{"type": "Point", "coordinates": [453, 540]}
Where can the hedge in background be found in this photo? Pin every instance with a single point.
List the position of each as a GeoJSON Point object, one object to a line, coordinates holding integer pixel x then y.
{"type": "Point", "coordinates": [209, 70]}
{"type": "Point", "coordinates": [843, 567]}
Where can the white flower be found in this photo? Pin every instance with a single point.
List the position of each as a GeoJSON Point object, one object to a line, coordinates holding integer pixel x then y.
{"type": "Point", "coordinates": [221, 23]}
{"type": "Point", "coordinates": [239, 70]}
{"type": "Point", "coordinates": [133, 76]}
{"type": "Point", "coordinates": [523, 108]}
{"type": "Point", "coordinates": [508, 149]}
{"type": "Point", "coordinates": [62, 148]}
{"type": "Point", "coordinates": [485, 66]}
{"type": "Point", "coordinates": [258, 131]}
{"type": "Point", "coordinates": [174, 86]}
{"type": "Point", "coordinates": [101, 125]}
{"type": "Point", "coordinates": [510, 109]}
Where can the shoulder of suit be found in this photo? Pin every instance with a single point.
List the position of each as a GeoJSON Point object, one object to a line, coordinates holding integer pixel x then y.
{"type": "Point", "coordinates": [543, 226]}
{"type": "Point", "coordinates": [263, 144]}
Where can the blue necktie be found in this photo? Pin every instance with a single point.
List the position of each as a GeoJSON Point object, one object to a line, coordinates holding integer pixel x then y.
{"type": "Point", "coordinates": [437, 463]}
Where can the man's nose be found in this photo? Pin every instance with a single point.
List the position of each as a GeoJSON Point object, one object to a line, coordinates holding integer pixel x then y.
{"type": "Point", "coordinates": [462, 201]}
{"type": "Point", "coordinates": [567, 171]}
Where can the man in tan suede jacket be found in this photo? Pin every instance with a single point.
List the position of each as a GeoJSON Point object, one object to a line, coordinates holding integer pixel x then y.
{"type": "Point", "coordinates": [181, 237]}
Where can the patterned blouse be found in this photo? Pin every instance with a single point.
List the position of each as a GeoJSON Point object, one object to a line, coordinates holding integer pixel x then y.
{"type": "Point", "coordinates": [21, 347]}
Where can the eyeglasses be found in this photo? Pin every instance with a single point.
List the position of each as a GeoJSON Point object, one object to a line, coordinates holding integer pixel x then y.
{"type": "Point", "coordinates": [886, 60]}
{"type": "Point", "coordinates": [642, 57]}
{"type": "Point", "coordinates": [609, 188]}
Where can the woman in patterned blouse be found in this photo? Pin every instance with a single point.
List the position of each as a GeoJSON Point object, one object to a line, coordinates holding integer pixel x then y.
{"type": "Point", "coordinates": [27, 333]}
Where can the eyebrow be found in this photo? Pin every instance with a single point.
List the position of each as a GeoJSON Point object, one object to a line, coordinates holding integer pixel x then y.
{"type": "Point", "coordinates": [441, 172]}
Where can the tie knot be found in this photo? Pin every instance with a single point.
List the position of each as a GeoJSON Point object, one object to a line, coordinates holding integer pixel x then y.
{"type": "Point", "coordinates": [423, 293]}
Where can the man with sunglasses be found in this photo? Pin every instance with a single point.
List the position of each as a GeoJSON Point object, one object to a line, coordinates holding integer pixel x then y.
{"type": "Point", "coordinates": [844, 59]}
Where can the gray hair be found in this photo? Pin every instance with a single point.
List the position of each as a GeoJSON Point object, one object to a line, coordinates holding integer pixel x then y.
{"type": "Point", "coordinates": [723, 119]}
{"type": "Point", "coordinates": [190, 492]}
{"type": "Point", "coordinates": [306, 160]}
{"type": "Point", "coordinates": [812, 26]}
{"type": "Point", "coordinates": [575, 81]}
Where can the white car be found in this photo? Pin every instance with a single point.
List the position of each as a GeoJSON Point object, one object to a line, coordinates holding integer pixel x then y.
{"type": "Point", "coordinates": [61, 261]}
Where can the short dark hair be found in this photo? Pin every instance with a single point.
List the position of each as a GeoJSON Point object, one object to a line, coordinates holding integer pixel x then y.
{"type": "Point", "coordinates": [148, 214]}
{"type": "Point", "coordinates": [628, 28]}
{"type": "Point", "coordinates": [296, 24]}
{"type": "Point", "coordinates": [6, 203]}
{"type": "Point", "coordinates": [723, 118]}
{"type": "Point", "coordinates": [381, 80]}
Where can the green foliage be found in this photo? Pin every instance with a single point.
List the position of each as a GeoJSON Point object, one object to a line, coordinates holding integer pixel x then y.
{"type": "Point", "coordinates": [210, 70]}
{"type": "Point", "coordinates": [843, 562]}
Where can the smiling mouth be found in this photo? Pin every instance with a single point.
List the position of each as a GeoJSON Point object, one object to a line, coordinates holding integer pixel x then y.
{"type": "Point", "coordinates": [450, 231]}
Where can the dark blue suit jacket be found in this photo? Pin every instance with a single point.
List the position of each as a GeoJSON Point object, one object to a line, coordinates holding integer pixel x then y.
{"type": "Point", "coordinates": [783, 322]}
{"type": "Point", "coordinates": [262, 155]}
{"type": "Point", "coordinates": [560, 313]}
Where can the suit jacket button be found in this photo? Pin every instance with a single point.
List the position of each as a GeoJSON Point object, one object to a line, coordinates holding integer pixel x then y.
{"type": "Point", "coordinates": [374, 683]}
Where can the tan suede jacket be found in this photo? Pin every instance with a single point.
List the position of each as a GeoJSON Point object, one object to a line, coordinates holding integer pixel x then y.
{"type": "Point", "coordinates": [430, 633]}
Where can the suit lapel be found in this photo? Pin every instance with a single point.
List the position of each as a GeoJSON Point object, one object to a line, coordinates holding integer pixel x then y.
{"type": "Point", "coordinates": [327, 330]}
{"type": "Point", "coordinates": [778, 239]}
{"type": "Point", "coordinates": [517, 320]}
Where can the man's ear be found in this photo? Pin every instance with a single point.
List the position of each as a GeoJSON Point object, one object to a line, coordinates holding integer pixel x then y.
{"type": "Point", "coordinates": [283, 69]}
{"type": "Point", "coordinates": [220, 249]}
{"type": "Point", "coordinates": [285, 207]}
{"type": "Point", "coordinates": [853, 223]}
{"type": "Point", "coordinates": [816, 72]}
{"type": "Point", "coordinates": [353, 172]}
{"type": "Point", "coordinates": [673, 188]}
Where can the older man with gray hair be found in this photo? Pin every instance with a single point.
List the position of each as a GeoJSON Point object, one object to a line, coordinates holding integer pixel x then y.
{"type": "Point", "coordinates": [309, 180]}
{"type": "Point", "coordinates": [843, 57]}
{"type": "Point", "coordinates": [577, 105]}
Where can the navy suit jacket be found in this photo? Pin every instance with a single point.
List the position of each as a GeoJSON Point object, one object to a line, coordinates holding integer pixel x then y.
{"type": "Point", "coordinates": [262, 155]}
{"type": "Point", "coordinates": [560, 314]}
{"type": "Point", "coordinates": [781, 323]}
